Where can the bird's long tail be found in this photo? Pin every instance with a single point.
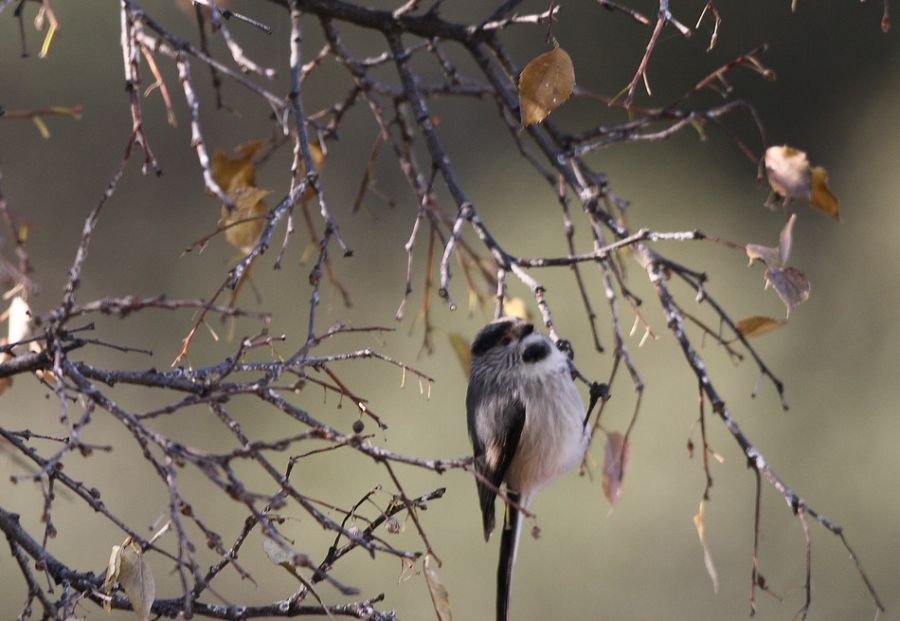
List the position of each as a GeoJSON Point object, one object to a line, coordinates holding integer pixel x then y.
{"type": "Point", "coordinates": [509, 543]}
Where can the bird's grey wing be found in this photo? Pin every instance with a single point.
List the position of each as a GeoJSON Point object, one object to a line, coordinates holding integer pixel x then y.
{"type": "Point", "coordinates": [495, 426]}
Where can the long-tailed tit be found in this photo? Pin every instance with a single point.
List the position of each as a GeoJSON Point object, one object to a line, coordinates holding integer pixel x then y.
{"type": "Point", "coordinates": [527, 426]}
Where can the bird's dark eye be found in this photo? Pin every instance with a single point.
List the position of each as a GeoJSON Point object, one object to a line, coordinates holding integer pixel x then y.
{"type": "Point", "coordinates": [506, 340]}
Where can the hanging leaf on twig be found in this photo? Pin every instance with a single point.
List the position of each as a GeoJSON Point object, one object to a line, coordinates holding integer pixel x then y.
{"type": "Point", "coordinates": [707, 557]}
{"type": "Point", "coordinates": [791, 176]}
{"type": "Point", "coordinates": [614, 464]}
{"type": "Point", "coordinates": [440, 598]}
{"type": "Point", "coordinates": [757, 325]}
{"type": "Point", "coordinates": [129, 568]}
{"type": "Point", "coordinates": [822, 197]}
{"type": "Point", "coordinates": [791, 285]}
{"type": "Point", "coordinates": [245, 223]}
{"type": "Point", "coordinates": [545, 83]}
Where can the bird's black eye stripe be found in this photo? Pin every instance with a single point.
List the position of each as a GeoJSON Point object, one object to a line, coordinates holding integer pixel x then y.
{"type": "Point", "coordinates": [491, 336]}
{"type": "Point", "coordinates": [536, 352]}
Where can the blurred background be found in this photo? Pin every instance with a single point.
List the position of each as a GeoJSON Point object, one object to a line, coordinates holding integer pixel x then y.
{"type": "Point", "coordinates": [836, 97]}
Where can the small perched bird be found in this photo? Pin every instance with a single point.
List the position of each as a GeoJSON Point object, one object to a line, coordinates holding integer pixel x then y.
{"type": "Point", "coordinates": [526, 423]}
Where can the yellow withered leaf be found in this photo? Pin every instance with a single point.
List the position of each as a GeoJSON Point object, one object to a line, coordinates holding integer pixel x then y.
{"type": "Point", "coordinates": [462, 350]}
{"type": "Point", "coordinates": [516, 307]}
{"type": "Point", "coordinates": [614, 464]}
{"type": "Point", "coordinates": [822, 198]}
{"type": "Point", "coordinates": [236, 172]}
{"type": "Point", "coordinates": [757, 325]}
{"type": "Point", "coordinates": [440, 598]}
{"type": "Point", "coordinates": [250, 207]}
{"type": "Point", "coordinates": [707, 557]}
{"type": "Point", "coordinates": [545, 83]}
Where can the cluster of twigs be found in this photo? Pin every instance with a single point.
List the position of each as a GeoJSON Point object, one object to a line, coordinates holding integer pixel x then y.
{"type": "Point", "coordinates": [401, 111]}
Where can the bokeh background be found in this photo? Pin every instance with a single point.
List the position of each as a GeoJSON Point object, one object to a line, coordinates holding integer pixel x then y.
{"type": "Point", "coordinates": [836, 96]}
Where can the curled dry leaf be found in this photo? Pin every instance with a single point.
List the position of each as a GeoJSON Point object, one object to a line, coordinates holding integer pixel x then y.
{"type": "Point", "coordinates": [112, 573]}
{"type": "Point", "coordinates": [252, 209]}
{"type": "Point", "coordinates": [757, 325]}
{"type": "Point", "coordinates": [822, 198]}
{"type": "Point", "coordinates": [768, 255]}
{"type": "Point", "coordinates": [279, 554]}
{"type": "Point", "coordinates": [128, 567]}
{"type": "Point", "coordinates": [408, 569]}
{"type": "Point", "coordinates": [790, 284]}
{"type": "Point", "coordinates": [545, 83]}
{"type": "Point", "coordinates": [790, 175]}
{"type": "Point", "coordinates": [137, 581]}
{"type": "Point", "coordinates": [788, 172]}
{"type": "Point", "coordinates": [614, 464]}
{"type": "Point", "coordinates": [440, 598]}
{"type": "Point", "coordinates": [774, 257]}
{"type": "Point", "coordinates": [707, 557]}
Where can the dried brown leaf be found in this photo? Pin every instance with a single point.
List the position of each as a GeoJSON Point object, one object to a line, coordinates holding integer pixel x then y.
{"type": "Point", "coordinates": [112, 573]}
{"type": "Point", "coordinates": [545, 83]}
{"type": "Point", "coordinates": [249, 207]}
{"type": "Point", "coordinates": [408, 569]}
{"type": "Point", "coordinates": [757, 325]}
{"type": "Point", "coordinates": [707, 557]}
{"type": "Point", "coordinates": [440, 598]}
{"type": "Point", "coordinates": [131, 570]}
{"type": "Point", "coordinates": [822, 198]}
{"type": "Point", "coordinates": [768, 255]}
{"type": "Point", "coordinates": [236, 172]}
{"type": "Point", "coordinates": [614, 465]}
{"type": "Point", "coordinates": [775, 257]}
{"type": "Point", "coordinates": [788, 172]}
{"type": "Point", "coordinates": [790, 284]}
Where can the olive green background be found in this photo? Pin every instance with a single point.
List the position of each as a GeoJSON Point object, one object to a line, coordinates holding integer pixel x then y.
{"type": "Point", "coordinates": [836, 97]}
